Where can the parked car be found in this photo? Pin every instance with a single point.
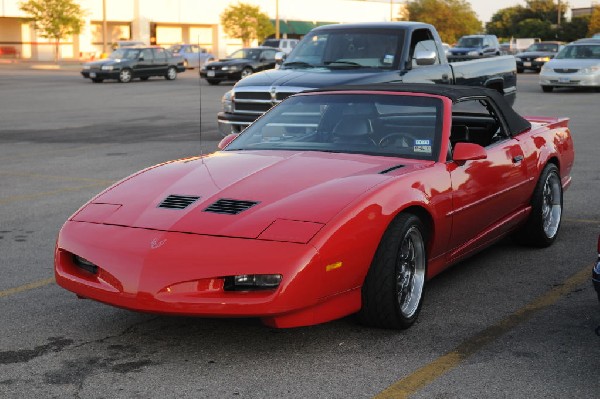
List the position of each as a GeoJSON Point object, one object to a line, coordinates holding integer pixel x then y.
{"type": "Point", "coordinates": [129, 63]}
{"type": "Point", "coordinates": [576, 65]}
{"type": "Point", "coordinates": [536, 55]}
{"type": "Point", "coordinates": [596, 272]}
{"type": "Point", "coordinates": [239, 64]}
{"type": "Point", "coordinates": [475, 46]}
{"type": "Point", "coordinates": [337, 201]}
{"type": "Point", "coordinates": [193, 55]}
{"type": "Point", "coordinates": [285, 45]}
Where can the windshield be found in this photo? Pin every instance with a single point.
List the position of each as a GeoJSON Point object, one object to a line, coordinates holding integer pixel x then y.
{"type": "Point", "coordinates": [372, 48]}
{"type": "Point", "coordinates": [552, 47]}
{"type": "Point", "coordinates": [374, 124]}
{"type": "Point", "coordinates": [469, 42]}
{"type": "Point", "coordinates": [580, 51]}
{"type": "Point", "coordinates": [125, 54]}
{"type": "Point", "coordinates": [249, 54]}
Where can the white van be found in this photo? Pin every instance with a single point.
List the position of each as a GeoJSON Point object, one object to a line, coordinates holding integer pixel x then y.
{"type": "Point", "coordinates": [286, 45]}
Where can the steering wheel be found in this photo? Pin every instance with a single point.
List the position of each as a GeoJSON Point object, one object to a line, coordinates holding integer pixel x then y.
{"type": "Point", "coordinates": [407, 139]}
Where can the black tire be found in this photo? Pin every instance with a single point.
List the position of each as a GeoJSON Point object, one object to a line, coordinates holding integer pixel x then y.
{"type": "Point", "coordinates": [126, 75]}
{"type": "Point", "coordinates": [171, 73]}
{"type": "Point", "coordinates": [145, 78]}
{"type": "Point", "coordinates": [399, 266]}
{"type": "Point", "coordinates": [543, 224]}
{"type": "Point", "coordinates": [97, 80]}
{"type": "Point", "coordinates": [547, 89]}
{"type": "Point", "coordinates": [247, 71]}
{"type": "Point", "coordinates": [520, 70]}
{"type": "Point", "coordinates": [213, 82]}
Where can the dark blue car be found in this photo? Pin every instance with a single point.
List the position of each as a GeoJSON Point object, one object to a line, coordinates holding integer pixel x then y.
{"type": "Point", "coordinates": [474, 46]}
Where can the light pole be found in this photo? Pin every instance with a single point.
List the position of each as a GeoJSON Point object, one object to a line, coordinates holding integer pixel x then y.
{"type": "Point", "coordinates": [276, 19]}
{"type": "Point", "coordinates": [104, 27]}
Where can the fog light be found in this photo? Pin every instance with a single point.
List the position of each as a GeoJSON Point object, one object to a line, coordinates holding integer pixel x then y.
{"type": "Point", "coordinates": [85, 264]}
{"type": "Point", "coordinates": [246, 282]}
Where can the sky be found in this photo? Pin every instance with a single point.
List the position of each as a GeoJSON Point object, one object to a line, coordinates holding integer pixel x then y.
{"type": "Point", "coordinates": [486, 8]}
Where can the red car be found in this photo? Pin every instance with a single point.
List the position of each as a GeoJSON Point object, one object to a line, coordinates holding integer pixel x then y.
{"type": "Point", "coordinates": [338, 201]}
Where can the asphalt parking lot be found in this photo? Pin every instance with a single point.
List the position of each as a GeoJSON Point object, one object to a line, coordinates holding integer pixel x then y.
{"type": "Point", "coordinates": [511, 322]}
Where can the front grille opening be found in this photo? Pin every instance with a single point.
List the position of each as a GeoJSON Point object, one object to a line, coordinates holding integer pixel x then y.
{"type": "Point", "coordinates": [178, 201]}
{"type": "Point", "coordinates": [85, 264]}
{"type": "Point", "coordinates": [228, 206]}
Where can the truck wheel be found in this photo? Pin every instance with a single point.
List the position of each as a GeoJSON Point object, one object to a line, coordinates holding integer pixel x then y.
{"type": "Point", "coordinates": [171, 73]}
{"type": "Point", "coordinates": [125, 75]}
{"type": "Point", "coordinates": [547, 89]}
{"type": "Point", "coordinates": [392, 293]}
{"type": "Point", "coordinates": [541, 228]}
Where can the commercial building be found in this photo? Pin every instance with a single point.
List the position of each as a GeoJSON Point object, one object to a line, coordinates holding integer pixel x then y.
{"type": "Point", "coordinates": [166, 22]}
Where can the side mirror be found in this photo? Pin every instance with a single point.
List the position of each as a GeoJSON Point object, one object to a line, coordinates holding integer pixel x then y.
{"type": "Point", "coordinates": [468, 152]}
{"type": "Point", "coordinates": [425, 57]}
{"type": "Point", "coordinates": [226, 140]}
{"type": "Point", "coordinates": [280, 57]}
{"type": "Point", "coordinates": [141, 59]}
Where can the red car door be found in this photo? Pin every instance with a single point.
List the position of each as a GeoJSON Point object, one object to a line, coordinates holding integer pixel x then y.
{"type": "Point", "coordinates": [488, 194]}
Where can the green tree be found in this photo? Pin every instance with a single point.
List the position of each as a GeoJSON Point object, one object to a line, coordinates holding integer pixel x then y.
{"type": "Point", "coordinates": [594, 24]}
{"type": "Point", "coordinates": [575, 29]}
{"type": "Point", "coordinates": [246, 22]}
{"type": "Point", "coordinates": [54, 19]}
{"type": "Point", "coordinates": [451, 18]}
{"type": "Point", "coordinates": [537, 19]}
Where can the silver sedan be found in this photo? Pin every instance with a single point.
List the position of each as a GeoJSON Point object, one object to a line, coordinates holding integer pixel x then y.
{"type": "Point", "coordinates": [576, 65]}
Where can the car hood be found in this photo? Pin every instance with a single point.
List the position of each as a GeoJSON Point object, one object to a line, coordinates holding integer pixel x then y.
{"type": "Point", "coordinates": [105, 61]}
{"type": "Point", "coordinates": [463, 49]}
{"type": "Point", "coordinates": [310, 187]}
{"type": "Point", "coordinates": [571, 63]}
{"type": "Point", "coordinates": [230, 61]}
{"type": "Point", "coordinates": [314, 78]}
{"type": "Point", "coordinates": [530, 54]}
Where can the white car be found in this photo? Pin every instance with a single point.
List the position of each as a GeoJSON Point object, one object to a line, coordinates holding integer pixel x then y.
{"type": "Point", "coordinates": [576, 65]}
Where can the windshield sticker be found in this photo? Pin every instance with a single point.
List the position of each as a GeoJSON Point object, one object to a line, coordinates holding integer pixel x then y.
{"type": "Point", "coordinates": [422, 146]}
{"type": "Point", "coordinates": [388, 59]}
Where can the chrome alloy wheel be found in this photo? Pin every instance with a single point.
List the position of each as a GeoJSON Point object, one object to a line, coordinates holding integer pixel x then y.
{"type": "Point", "coordinates": [551, 206]}
{"type": "Point", "coordinates": [410, 273]}
{"type": "Point", "coordinates": [171, 73]}
{"type": "Point", "coordinates": [125, 76]}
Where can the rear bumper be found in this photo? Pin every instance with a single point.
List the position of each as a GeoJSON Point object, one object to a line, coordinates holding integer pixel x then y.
{"type": "Point", "coordinates": [184, 275]}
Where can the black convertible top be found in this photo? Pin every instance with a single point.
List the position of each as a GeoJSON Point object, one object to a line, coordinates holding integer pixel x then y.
{"type": "Point", "coordinates": [515, 122]}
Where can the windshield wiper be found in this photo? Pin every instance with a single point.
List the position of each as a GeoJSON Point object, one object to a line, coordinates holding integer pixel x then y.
{"type": "Point", "coordinates": [350, 64]}
{"type": "Point", "coordinates": [298, 64]}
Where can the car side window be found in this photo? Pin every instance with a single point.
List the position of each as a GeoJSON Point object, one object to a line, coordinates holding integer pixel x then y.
{"type": "Point", "coordinates": [269, 55]}
{"type": "Point", "coordinates": [160, 54]}
{"type": "Point", "coordinates": [147, 54]}
{"type": "Point", "coordinates": [476, 121]}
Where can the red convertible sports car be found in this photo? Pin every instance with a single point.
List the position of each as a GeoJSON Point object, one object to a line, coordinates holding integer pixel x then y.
{"type": "Point", "coordinates": [337, 201]}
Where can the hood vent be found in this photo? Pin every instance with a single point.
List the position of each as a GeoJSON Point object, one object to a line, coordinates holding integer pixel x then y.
{"type": "Point", "coordinates": [178, 201]}
{"type": "Point", "coordinates": [383, 172]}
{"type": "Point", "coordinates": [230, 206]}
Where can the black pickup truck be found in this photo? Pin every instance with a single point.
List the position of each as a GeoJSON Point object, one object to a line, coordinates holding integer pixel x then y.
{"type": "Point", "coordinates": [364, 53]}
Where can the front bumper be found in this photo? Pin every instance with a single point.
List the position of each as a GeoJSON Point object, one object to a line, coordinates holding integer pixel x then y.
{"type": "Point", "coordinates": [233, 123]}
{"type": "Point", "coordinates": [100, 74]}
{"type": "Point", "coordinates": [530, 65]}
{"type": "Point", "coordinates": [551, 78]}
{"type": "Point", "coordinates": [183, 274]}
{"type": "Point", "coordinates": [221, 75]}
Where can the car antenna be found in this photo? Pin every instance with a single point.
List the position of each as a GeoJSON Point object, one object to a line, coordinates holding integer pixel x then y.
{"type": "Point", "coordinates": [200, 100]}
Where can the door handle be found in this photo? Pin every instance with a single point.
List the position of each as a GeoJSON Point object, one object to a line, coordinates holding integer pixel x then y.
{"type": "Point", "coordinates": [517, 159]}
